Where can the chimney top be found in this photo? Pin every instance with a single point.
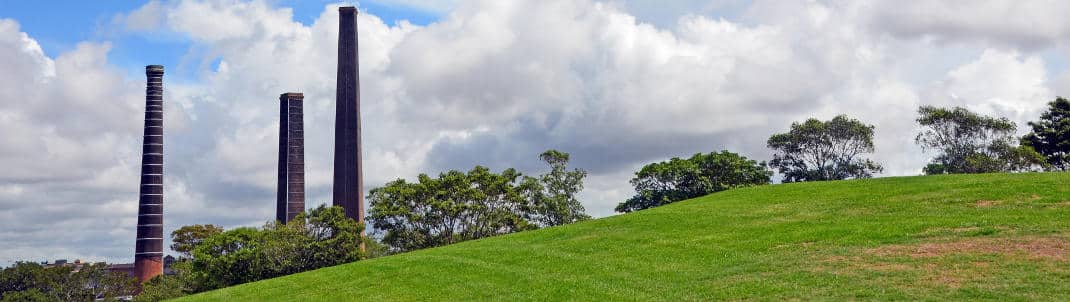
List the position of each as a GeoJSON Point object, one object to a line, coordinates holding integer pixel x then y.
{"type": "Point", "coordinates": [295, 95]}
{"type": "Point", "coordinates": [345, 9]}
{"type": "Point", "coordinates": [154, 68]}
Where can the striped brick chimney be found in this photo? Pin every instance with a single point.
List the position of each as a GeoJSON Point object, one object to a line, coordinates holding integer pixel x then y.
{"type": "Point", "coordinates": [148, 253]}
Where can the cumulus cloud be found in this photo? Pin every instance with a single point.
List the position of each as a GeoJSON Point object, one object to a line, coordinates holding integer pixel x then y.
{"type": "Point", "coordinates": [490, 83]}
{"type": "Point", "coordinates": [146, 18]}
{"type": "Point", "coordinates": [1008, 23]}
{"type": "Point", "coordinates": [1000, 83]}
{"type": "Point", "coordinates": [1061, 84]}
{"type": "Point", "coordinates": [67, 147]}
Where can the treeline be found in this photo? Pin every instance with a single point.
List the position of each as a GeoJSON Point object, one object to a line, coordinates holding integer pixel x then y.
{"type": "Point", "coordinates": [212, 258]}
{"type": "Point", "coordinates": [433, 211]}
{"type": "Point", "coordinates": [458, 206]}
{"type": "Point", "coordinates": [815, 150]}
{"type": "Point", "coordinates": [30, 281]}
{"type": "Point", "coordinates": [452, 207]}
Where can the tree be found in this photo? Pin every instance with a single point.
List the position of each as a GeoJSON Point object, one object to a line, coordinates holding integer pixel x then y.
{"type": "Point", "coordinates": [169, 286]}
{"type": "Point", "coordinates": [226, 259]}
{"type": "Point", "coordinates": [26, 281]}
{"type": "Point", "coordinates": [1050, 136]}
{"type": "Point", "coordinates": [30, 295]}
{"type": "Point", "coordinates": [163, 287]}
{"type": "Point", "coordinates": [23, 276]}
{"type": "Point", "coordinates": [186, 238]}
{"type": "Point", "coordinates": [330, 237]}
{"type": "Point", "coordinates": [554, 201]}
{"type": "Point", "coordinates": [375, 248]}
{"type": "Point", "coordinates": [968, 142]}
{"type": "Point", "coordinates": [100, 283]}
{"type": "Point", "coordinates": [680, 179]}
{"type": "Point", "coordinates": [322, 237]}
{"type": "Point", "coordinates": [824, 150]}
{"type": "Point", "coordinates": [454, 207]}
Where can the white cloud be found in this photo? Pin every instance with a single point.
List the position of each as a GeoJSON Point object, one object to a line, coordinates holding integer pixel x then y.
{"type": "Point", "coordinates": [146, 18]}
{"type": "Point", "coordinates": [67, 149]}
{"type": "Point", "coordinates": [1062, 84]}
{"type": "Point", "coordinates": [1017, 24]}
{"type": "Point", "coordinates": [667, 13]}
{"type": "Point", "coordinates": [997, 83]}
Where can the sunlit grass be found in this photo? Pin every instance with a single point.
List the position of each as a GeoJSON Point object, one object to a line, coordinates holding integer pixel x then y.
{"type": "Point", "coordinates": [904, 238]}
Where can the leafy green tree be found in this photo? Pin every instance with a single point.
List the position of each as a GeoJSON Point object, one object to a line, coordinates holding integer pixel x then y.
{"type": "Point", "coordinates": [330, 237]}
{"type": "Point", "coordinates": [1050, 136]}
{"type": "Point", "coordinates": [282, 249]}
{"type": "Point", "coordinates": [322, 237]}
{"type": "Point", "coordinates": [680, 179]}
{"type": "Point", "coordinates": [186, 238]}
{"type": "Point", "coordinates": [23, 276]}
{"type": "Point", "coordinates": [26, 281]}
{"type": "Point", "coordinates": [456, 206]}
{"type": "Point", "coordinates": [163, 287]}
{"type": "Point", "coordinates": [181, 282]}
{"type": "Point", "coordinates": [554, 193]}
{"type": "Point", "coordinates": [29, 295]}
{"type": "Point", "coordinates": [968, 142]}
{"type": "Point", "coordinates": [375, 248]}
{"type": "Point", "coordinates": [824, 150]}
{"type": "Point", "coordinates": [227, 258]}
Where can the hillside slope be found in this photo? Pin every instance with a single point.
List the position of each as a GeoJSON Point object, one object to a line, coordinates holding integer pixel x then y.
{"type": "Point", "coordinates": [992, 236]}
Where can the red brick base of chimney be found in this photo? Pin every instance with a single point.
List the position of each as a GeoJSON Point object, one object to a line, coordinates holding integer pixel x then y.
{"type": "Point", "coordinates": [147, 267]}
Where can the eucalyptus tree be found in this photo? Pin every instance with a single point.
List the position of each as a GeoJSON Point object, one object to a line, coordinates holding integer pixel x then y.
{"type": "Point", "coordinates": [817, 150]}
{"type": "Point", "coordinates": [967, 142]}
{"type": "Point", "coordinates": [679, 179]}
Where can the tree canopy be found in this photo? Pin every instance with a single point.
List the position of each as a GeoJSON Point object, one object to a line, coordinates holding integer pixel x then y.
{"type": "Point", "coordinates": [184, 239]}
{"type": "Point", "coordinates": [824, 150]}
{"type": "Point", "coordinates": [28, 281]}
{"type": "Point", "coordinates": [555, 202]}
{"type": "Point", "coordinates": [967, 142]}
{"type": "Point", "coordinates": [322, 237]}
{"type": "Point", "coordinates": [678, 179]}
{"type": "Point", "coordinates": [456, 206]}
{"type": "Point", "coordinates": [1050, 136]}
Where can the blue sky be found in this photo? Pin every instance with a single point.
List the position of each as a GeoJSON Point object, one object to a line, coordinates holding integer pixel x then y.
{"type": "Point", "coordinates": [64, 24]}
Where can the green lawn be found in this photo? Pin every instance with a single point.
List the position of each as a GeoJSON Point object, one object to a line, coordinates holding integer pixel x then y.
{"type": "Point", "coordinates": [975, 237]}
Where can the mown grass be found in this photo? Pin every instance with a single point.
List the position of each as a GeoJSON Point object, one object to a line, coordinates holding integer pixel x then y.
{"type": "Point", "coordinates": [963, 237]}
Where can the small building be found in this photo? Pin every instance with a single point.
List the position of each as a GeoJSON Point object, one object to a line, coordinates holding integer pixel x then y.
{"type": "Point", "coordinates": [126, 268]}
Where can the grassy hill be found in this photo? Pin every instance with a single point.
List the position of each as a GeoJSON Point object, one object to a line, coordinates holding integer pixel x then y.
{"type": "Point", "coordinates": [993, 236]}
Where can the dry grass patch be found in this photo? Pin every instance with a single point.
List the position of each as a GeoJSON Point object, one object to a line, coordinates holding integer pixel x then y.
{"type": "Point", "coordinates": [1064, 203]}
{"type": "Point", "coordinates": [964, 231]}
{"type": "Point", "coordinates": [1049, 248]}
{"type": "Point", "coordinates": [1023, 199]}
{"type": "Point", "coordinates": [950, 263]}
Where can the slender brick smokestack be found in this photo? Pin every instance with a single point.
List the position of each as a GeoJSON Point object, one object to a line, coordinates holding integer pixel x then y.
{"type": "Point", "coordinates": [348, 176]}
{"type": "Point", "coordinates": [291, 199]}
{"type": "Point", "coordinates": [148, 253]}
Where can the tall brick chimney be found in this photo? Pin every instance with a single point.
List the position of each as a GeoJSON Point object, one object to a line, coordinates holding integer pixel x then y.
{"type": "Point", "coordinates": [291, 195]}
{"type": "Point", "coordinates": [148, 252]}
{"type": "Point", "coordinates": [348, 173]}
